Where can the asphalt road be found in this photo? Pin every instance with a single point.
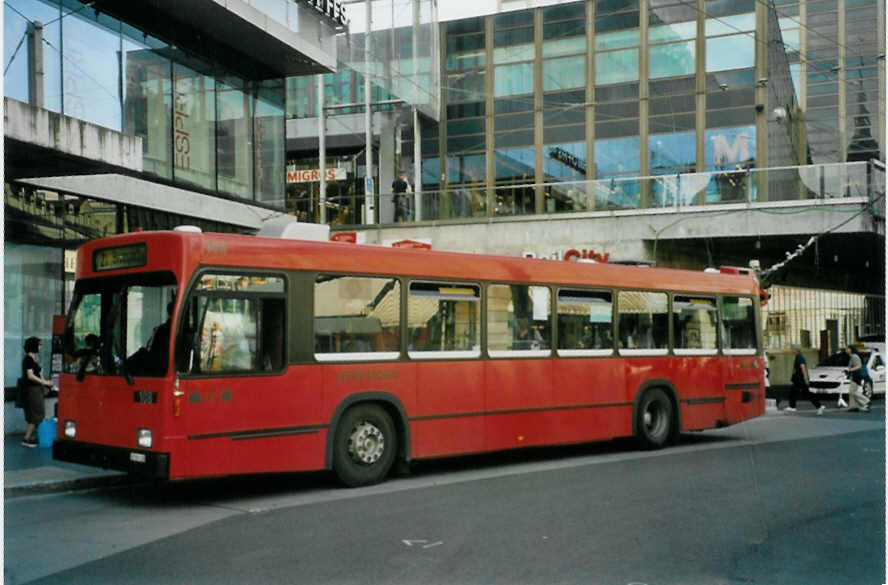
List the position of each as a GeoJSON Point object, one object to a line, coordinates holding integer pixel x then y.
{"type": "Point", "coordinates": [781, 500]}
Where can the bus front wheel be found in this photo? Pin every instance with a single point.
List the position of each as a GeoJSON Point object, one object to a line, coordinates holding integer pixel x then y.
{"type": "Point", "coordinates": [656, 419]}
{"type": "Point", "coordinates": [365, 446]}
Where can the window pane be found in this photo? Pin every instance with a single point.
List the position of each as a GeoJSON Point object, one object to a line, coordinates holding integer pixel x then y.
{"type": "Point", "coordinates": [232, 138]}
{"type": "Point", "coordinates": [269, 142]}
{"type": "Point", "coordinates": [672, 60]}
{"type": "Point", "coordinates": [515, 164]}
{"type": "Point", "coordinates": [356, 314]}
{"type": "Point", "coordinates": [513, 79]}
{"type": "Point", "coordinates": [617, 39]}
{"type": "Point", "coordinates": [564, 73]}
{"type": "Point", "coordinates": [695, 323]}
{"type": "Point", "coordinates": [726, 25]}
{"type": "Point", "coordinates": [568, 46]}
{"type": "Point", "coordinates": [738, 323]}
{"type": "Point", "coordinates": [616, 66]}
{"type": "Point", "coordinates": [668, 151]}
{"type": "Point", "coordinates": [728, 147]}
{"type": "Point", "coordinates": [513, 54]}
{"type": "Point", "coordinates": [733, 52]}
{"type": "Point", "coordinates": [643, 320]}
{"type": "Point", "coordinates": [147, 105]}
{"type": "Point", "coordinates": [617, 155]}
{"type": "Point", "coordinates": [91, 68]}
{"type": "Point", "coordinates": [585, 320]}
{"type": "Point", "coordinates": [565, 161]}
{"type": "Point", "coordinates": [228, 334]}
{"type": "Point", "coordinates": [679, 31]}
{"type": "Point", "coordinates": [194, 113]}
{"type": "Point", "coordinates": [518, 317]}
{"type": "Point", "coordinates": [236, 323]}
{"type": "Point", "coordinates": [444, 317]}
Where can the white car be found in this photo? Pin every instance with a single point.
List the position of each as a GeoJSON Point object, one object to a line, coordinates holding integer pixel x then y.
{"type": "Point", "coordinates": [828, 377]}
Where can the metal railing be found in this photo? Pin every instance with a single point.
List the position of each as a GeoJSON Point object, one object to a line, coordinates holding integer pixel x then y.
{"type": "Point", "coordinates": [667, 193]}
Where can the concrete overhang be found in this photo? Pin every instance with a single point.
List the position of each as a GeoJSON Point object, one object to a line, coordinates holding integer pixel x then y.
{"type": "Point", "coordinates": [38, 139]}
{"type": "Point", "coordinates": [234, 33]}
{"type": "Point", "coordinates": [155, 196]}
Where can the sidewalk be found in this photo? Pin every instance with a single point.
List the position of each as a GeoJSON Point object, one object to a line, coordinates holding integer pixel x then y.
{"type": "Point", "coordinates": [28, 471]}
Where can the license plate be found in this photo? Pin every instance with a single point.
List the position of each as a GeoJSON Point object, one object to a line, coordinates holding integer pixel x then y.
{"type": "Point", "coordinates": [137, 457]}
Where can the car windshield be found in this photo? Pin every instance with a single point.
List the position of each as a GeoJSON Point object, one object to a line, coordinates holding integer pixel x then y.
{"type": "Point", "coordinates": [120, 326]}
{"type": "Point", "coordinates": [841, 359]}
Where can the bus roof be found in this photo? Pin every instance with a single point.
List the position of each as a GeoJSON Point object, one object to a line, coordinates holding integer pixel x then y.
{"type": "Point", "coordinates": [187, 251]}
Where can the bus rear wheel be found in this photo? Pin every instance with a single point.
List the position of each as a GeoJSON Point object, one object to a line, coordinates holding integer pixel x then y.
{"type": "Point", "coordinates": [365, 446]}
{"type": "Point", "coordinates": [656, 419]}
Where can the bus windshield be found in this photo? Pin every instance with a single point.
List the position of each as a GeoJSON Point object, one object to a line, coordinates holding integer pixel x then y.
{"type": "Point", "coordinates": [120, 326]}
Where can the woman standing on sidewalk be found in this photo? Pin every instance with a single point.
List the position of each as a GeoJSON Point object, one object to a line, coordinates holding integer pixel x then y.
{"type": "Point", "coordinates": [32, 386]}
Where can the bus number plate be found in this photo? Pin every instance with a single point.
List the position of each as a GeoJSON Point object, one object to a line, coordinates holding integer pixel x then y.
{"type": "Point", "coordinates": [137, 457]}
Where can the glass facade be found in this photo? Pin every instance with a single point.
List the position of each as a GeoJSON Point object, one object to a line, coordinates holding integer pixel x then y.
{"type": "Point", "coordinates": [200, 126]}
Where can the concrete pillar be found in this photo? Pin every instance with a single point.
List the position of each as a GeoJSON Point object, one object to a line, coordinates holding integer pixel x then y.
{"type": "Point", "coordinates": [35, 64]}
{"type": "Point", "coordinates": [389, 135]}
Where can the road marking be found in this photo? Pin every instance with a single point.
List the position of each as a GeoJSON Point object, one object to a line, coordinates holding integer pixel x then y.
{"type": "Point", "coordinates": [425, 543]}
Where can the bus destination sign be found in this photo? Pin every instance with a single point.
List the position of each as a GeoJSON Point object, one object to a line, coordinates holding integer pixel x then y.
{"type": "Point", "coordinates": [120, 257]}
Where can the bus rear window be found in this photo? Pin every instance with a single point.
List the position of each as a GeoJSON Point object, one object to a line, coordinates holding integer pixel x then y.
{"type": "Point", "coordinates": [738, 325]}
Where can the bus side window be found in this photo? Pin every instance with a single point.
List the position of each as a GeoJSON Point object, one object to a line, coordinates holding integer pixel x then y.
{"type": "Point", "coordinates": [272, 334]}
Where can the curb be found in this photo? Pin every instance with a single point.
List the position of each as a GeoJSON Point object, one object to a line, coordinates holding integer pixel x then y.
{"type": "Point", "coordinates": [65, 485]}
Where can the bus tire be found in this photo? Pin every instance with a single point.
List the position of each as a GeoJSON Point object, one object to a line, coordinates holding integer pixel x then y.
{"type": "Point", "coordinates": [655, 421]}
{"type": "Point", "coordinates": [365, 445]}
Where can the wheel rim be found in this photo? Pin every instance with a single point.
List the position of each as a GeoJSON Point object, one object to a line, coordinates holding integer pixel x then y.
{"type": "Point", "coordinates": [654, 419]}
{"type": "Point", "coordinates": [366, 444]}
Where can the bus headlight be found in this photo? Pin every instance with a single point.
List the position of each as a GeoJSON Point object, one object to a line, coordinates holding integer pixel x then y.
{"type": "Point", "coordinates": [70, 429]}
{"type": "Point", "coordinates": [144, 438]}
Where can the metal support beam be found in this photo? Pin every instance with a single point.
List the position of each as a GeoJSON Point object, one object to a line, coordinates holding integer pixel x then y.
{"type": "Point", "coordinates": [368, 124]}
{"type": "Point", "coordinates": [322, 151]}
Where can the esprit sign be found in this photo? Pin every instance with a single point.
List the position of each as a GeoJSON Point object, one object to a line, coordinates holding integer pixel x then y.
{"type": "Point", "coordinates": [332, 9]}
{"type": "Point", "coordinates": [314, 175]}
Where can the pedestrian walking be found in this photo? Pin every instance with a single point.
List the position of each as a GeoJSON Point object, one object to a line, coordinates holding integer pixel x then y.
{"type": "Point", "coordinates": [857, 398]}
{"type": "Point", "coordinates": [31, 386]}
{"type": "Point", "coordinates": [800, 383]}
{"type": "Point", "coordinates": [400, 187]}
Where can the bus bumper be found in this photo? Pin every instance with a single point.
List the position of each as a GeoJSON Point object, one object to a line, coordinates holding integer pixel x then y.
{"type": "Point", "coordinates": [135, 461]}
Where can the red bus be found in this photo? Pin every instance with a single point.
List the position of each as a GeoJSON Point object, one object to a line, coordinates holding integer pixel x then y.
{"type": "Point", "coordinates": [196, 354]}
